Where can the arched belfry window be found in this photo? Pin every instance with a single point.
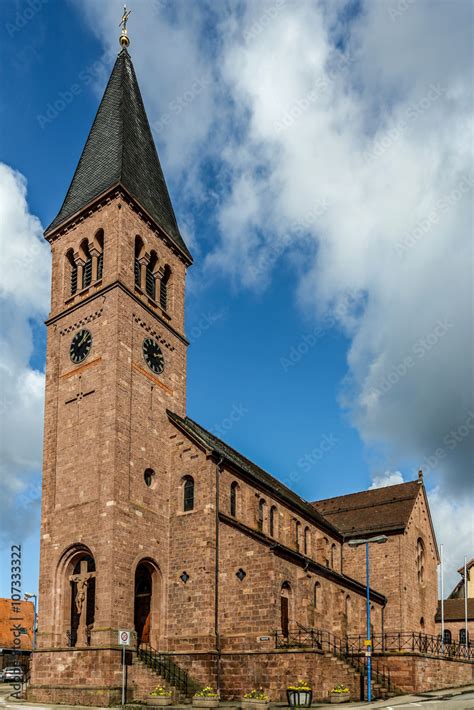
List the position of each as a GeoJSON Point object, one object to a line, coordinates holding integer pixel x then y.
{"type": "Point", "coordinates": [99, 239]}
{"type": "Point", "coordinates": [234, 487]}
{"type": "Point", "coordinates": [188, 493]}
{"type": "Point", "coordinates": [82, 586]}
{"type": "Point", "coordinates": [420, 560]}
{"type": "Point", "coordinates": [72, 272]}
{"type": "Point", "coordinates": [272, 521]}
{"type": "Point", "coordinates": [150, 279]}
{"type": "Point", "coordinates": [87, 268]}
{"type": "Point", "coordinates": [164, 282]}
{"type": "Point", "coordinates": [137, 267]}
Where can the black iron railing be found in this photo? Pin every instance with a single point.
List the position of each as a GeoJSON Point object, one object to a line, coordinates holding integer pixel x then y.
{"type": "Point", "coordinates": [410, 643]}
{"type": "Point", "coordinates": [162, 664]}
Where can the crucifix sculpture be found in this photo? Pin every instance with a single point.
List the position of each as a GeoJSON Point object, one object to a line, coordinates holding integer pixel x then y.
{"type": "Point", "coordinates": [80, 600]}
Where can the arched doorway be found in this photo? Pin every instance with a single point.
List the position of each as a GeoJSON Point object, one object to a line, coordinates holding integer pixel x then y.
{"type": "Point", "coordinates": [285, 609]}
{"type": "Point", "coordinates": [143, 593]}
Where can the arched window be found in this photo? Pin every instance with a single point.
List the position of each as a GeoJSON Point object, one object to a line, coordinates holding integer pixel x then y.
{"type": "Point", "coordinates": [447, 636]}
{"type": "Point", "coordinates": [233, 498]}
{"type": "Point", "coordinates": [307, 541]}
{"type": "Point", "coordinates": [150, 284]}
{"type": "Point", "coordinates": [317, 595]}
{"type": "Point", "coordinates": [149, 477]}
{"type": "Point", "coordinates": [347, 607]}
{"type": "Point", "coordinates": [333, 556]}
{"type": "Point", "coordinates": [188, 493]}
{"type": "Point", "coordinates": [82, 584]}
{"type": "Point", "coordinates": [87, 268]}
{"type": "Point", "coordinates": [261, 514]}
{"type": "Point", "coordinates": [420, 560]}
{"type": "Point", "coordinates": [99, 238]}
{"type": "Point", "coordinates": [139, 249]}
{"type": "Point", "coordinates": [462, 637]}
{"type": "Point", "coordinates": [72, 272]}
{"type": "Point", "coordinates": [325, 549]}
{"type": "Point", "coordinates": [297, 534]}
{"type": "Point", "coordinates": [164, 287]}
{"type": "Point", "coordinates": [272, 521]}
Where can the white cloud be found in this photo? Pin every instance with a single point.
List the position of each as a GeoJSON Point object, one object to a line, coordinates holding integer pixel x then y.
{"type": "Point", "coordinates": [389, 478]}
{"type": "Point", "coordinates": [24, 297]}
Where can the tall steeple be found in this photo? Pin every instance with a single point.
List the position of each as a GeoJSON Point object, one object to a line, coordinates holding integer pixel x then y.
{"type": "Point", "coordinates": [120, 151]}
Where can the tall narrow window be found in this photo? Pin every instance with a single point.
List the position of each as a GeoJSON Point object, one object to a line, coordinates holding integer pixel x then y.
{"type": "Point", "coordinates": [72, 266]}
{"type": "Point", "coordinates": [150, 281]}
{"type": "Point", "coordinates": [137, 267]}
{"type": "Point", "coordinates": [100, 259]}
{"type": "Point", "coordinates": [272, 521]}
{"type": "Point", "coordinates": [87, 269]}
{"type": "Point", "coordinates": [462, 637]}
{"type": "Point", "coordinates": [261, 514]}
{"type": "Point", "coordinates": [164, 287]}
{"type": "Point", "coordinates": [420, 560]}
{"type": "Point", "coordinates": [233, 498]}
{"type": "Point", "coordinates": [317, 595]}
{"type": "Point", "coordinates": [188, 493]}
{"type": "Point", "coordinates": [333, 556]}
{"type": "Point", "coordinates": [297, 534]}
{"type": "Point", "coordinates": [306, 541]}
{"type": "Point", "coordinates": [447, 636]}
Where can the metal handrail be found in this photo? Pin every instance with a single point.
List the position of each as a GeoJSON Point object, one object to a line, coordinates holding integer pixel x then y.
{"type": "Point", "coordinates": [411, 642]}
{"type": "Point", "coordinates": [162, 664]}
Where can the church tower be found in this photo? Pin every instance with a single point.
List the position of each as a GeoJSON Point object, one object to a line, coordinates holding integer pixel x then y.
{"type": "Point", "coordinates": [116, 362]}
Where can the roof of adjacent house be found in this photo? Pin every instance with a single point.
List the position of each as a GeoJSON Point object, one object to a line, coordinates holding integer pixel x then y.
{"type": "Point", "coordinates": [390, 509]}
{"type": "Point", "coordinates": [454, 610]}
{"type": "Point", "coordinates": [259, 475]}
{"type": "Point", "coordinates": [120, 151]}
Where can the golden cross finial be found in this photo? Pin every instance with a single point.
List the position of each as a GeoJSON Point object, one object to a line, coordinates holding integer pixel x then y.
{"type": "Point", "coordinates": [124, 41]}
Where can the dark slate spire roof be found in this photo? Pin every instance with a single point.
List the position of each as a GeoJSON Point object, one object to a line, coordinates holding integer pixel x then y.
{"type": "Point", "coordinates": [120, 150]}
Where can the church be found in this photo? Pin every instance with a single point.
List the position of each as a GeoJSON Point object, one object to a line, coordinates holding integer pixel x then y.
{"type": "Point", "coordinates": [150, 523]}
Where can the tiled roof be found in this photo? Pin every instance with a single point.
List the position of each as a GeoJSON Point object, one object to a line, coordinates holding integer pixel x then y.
{"type": "Point", "coordinates": [120, 150]}
{"type": "Point", "coordinates": [8, 617]}
{"type": "Point", "coordinates": [454, 610]}
{"type": "Point", "coordinates": [211, 442]}
{"type": "Point", "coordinates": [374, 511]}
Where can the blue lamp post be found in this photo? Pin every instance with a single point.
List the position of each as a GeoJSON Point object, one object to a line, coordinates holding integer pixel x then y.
{"type": "Point", "coordinates": [35, 601]}
{"type": "Point", "coordinates": [379, 539]}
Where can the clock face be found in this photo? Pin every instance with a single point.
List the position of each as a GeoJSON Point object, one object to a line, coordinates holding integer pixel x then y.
{"type": "Point", "coordinates": [153, 355]}
{"type": "Point", "coordinates": [80, 346]}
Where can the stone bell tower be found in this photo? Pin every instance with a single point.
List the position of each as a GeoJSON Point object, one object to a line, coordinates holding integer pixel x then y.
{"type": "Point", "coordinates": [116, 361]}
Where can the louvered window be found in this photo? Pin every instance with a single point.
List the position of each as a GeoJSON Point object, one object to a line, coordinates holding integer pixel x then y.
{"type": "Point", "coordinates": [73, 279]}
{"type": "Point", "coordinates": [87, 273]}
{"type": "Point", "coordinates": [163, 294]}
{"type": "Point", "coordinates": [100, 265]}
{"type": "Point", "coordinates": [150, 283]}
{"type": "Point", "coordinates": [137, 273]}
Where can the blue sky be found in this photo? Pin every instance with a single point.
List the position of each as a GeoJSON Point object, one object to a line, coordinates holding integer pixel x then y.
{"type": "Point", "coordinates": [295, 328]}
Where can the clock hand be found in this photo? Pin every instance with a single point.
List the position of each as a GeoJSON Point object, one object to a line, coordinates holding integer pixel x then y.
{"type": "Point", "coordinates": [83, 339]}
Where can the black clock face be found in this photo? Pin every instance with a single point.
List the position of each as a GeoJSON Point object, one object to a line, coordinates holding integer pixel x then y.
{"type": "Point", "coordinates": [153, 356]}
{"type": "Point", "coordinates": [80, 346]}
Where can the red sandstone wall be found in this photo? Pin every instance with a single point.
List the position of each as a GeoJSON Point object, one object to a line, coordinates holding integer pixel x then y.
{"type": "Point", "coordinates": [421, 673]}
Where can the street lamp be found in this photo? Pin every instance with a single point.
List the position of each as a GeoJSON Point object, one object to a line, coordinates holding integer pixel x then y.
{"type": "Point", "coordinates": [379, 539]}
{"type": "Point", "coordinates": [35, 598]}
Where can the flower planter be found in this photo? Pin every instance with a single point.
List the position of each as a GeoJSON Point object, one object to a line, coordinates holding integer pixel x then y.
{"type": "Point", "coordinates": [340, 697]}
{"type": "Point", "coordinates": [205, 702]}
{"type": "Point", "coordinates": [159, 701]}
{"type": "Point", "coordinates": [299, 698]}
{"type": "Point", "coordinates": [253, 704]}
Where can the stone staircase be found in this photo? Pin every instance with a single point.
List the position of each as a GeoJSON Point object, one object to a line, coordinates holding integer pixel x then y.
{"type": "Point", "coordinates": [150, 668]}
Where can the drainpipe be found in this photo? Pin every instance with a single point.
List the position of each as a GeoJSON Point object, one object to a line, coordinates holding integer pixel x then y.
{"type": "Point", "coordinates": [216, 577]}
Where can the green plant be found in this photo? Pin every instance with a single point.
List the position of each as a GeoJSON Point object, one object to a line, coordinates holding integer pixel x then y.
{"type": "Point", "coordinates": [206, 692]}
{"type": "Point", "coordinates": [160, 692]}
{"type": "Point", "coordinates": [257, 694]}
{"type": "Point", "coordinates": [339, 688]}
{"type": "Point", "coordinates": [300, 685]}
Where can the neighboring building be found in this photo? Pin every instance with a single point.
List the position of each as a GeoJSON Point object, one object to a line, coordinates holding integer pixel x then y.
{"type": "Point", "coordinates": [405, 568]}
{"type": "Point", "coordinates": [149, 522]}
{"type": "Point", "coordinates": [455, 610]}
{"type": "Point", "coordinates": [16, 631]}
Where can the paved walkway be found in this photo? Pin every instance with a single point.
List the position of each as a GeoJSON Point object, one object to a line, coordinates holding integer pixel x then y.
{"type": "Point", "coordinates": [455, 699]}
